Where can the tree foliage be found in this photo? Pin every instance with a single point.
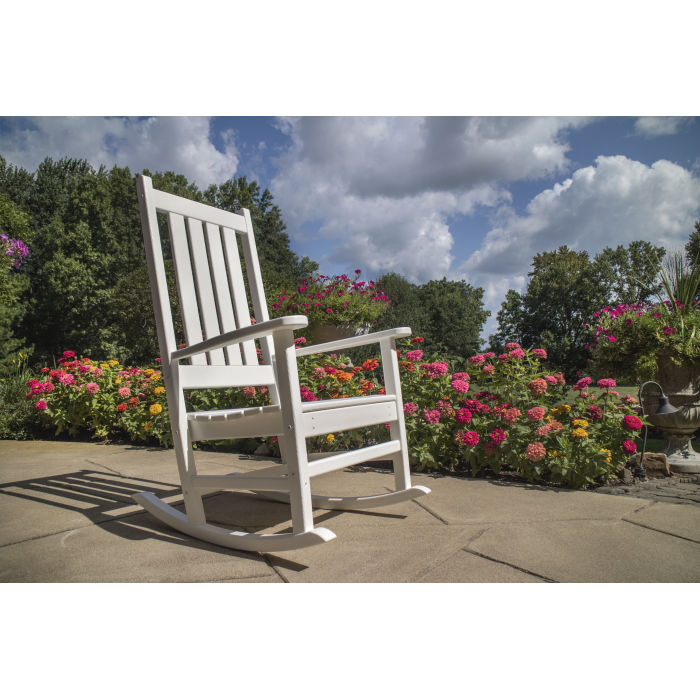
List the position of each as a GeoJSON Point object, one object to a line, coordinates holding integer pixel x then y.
{"type": "Point", "coordinates": [565, 289]}
{"type": "Point", "coordinates": [449, 314]}
{"type": "Point", "coordinates": [87, 287]}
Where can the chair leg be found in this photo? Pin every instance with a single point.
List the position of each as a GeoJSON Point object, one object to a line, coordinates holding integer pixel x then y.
{"type": "Point", "coordinates": [294, 457]}
{"type": "Point", "coordinates": [194, 506]}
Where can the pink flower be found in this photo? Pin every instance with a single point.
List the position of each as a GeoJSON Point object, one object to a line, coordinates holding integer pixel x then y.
{"type": "Point", "coordinates": [414, 355]}
{"type": "Point", "coordinates": [512, 346]}
{"type": "Point", "coordinates": [632, 422]}
{"type": "Point", "coordinates": [476, 360]}
{"type": "Point", "coordinates": [535, 452]}
{"type": "Point", "coordinates": [540, 353]}
{"type": "Point", "coordinates": [124, 391]}
{"type": "Point", "coordinates": [518, 353]}
{"type": "Point", "coordinates": [498, 436]}
{"type": "Point", "coordinates": [555, 426]}
{"type": "Point", "coordinates": [299, 341]}
{"type": "Point", "coordinates": [432, 416]}
{"type": "Point", "coordinates": [464, 376]}
{"type": "Point", "coordinates": [668, 330]}
{"type": "Point", "coordinates": [503, 357]}
{"type": "Point", "coordinates": [582, 383]}
{"type": "Point", "coordinates": [550, 379]}
{"type": "Point", "coordinates": [511, 415]}
{"type": "Point", "coordinates": [460, 386]}
{"type": "Point", "coordinates": [488, 369]}
{"type": "Point", "coordinates": [97, 371]}
{"type": "Point", "coordinates": [307, 394]}
{"type": "Point", "coordinates": [536, 413]}
{"type": "Point", "coordinates": [40, 405]}
{"type": "Point", "coordinates": [463, 415]}
{"type": "Point", "coordinates": [629, 399]}
{"type": "Point", "coordinates": [409, 408]}
{"type": "Point", "coordinates": [319, 373]}
{"type": "Point", "coordinates": [467, 438]}
{"type": "Point", "coordinates": [67, 379]}
{"type": "Point", "coordinates": [68, 354]}
{"type": "Point", "coordinates": [612, 339]}
{"type": "Point", "coordinates": [91, 388]}
{"type": "Point", "coordinates": [435, 369]}
{"type": "Point", "coordinates": [629, 446]}
{"type": "Point", "coordinates": [543, 430]}
{"type": "Point", "coordinates": [249, 391]}
{"type": "Point", "coordinates": [537, 386]}
{"type": "Point", "coordinates": [606, 383]}
{"type": "Point", "coordinates": [48, 387]}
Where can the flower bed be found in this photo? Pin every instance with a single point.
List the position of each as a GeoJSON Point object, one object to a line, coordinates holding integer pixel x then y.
{"type": "Point", "coordinates": [496, 412]}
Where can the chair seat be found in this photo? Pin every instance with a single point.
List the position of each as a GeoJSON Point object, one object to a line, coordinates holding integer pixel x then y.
{"type": "Point", "coordinates": [226, 414]}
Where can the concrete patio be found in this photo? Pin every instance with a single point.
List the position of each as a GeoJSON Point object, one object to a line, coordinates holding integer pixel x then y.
{"type": "Point", "coordinates": [66, 515]}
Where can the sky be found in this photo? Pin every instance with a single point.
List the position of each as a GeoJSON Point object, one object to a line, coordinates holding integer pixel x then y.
{"type": "Point", "coordinates": [470, 198]}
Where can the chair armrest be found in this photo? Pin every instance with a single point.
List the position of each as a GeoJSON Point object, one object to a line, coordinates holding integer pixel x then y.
{"type": "Point", "coordinates": [257, 330]}
{"type": "Point", "coordinates": [354, 341]}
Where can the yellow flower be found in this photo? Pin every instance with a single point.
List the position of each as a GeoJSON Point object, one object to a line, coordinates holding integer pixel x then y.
{"type": "Point", "coordinates": [155, 409]}
{"type": "Point", "coordinates": [579, 423]}
{"type": "Point", "coordinates": [608, 454]}
{"type": "Point", "coordinates": [148, 425]}
{"type": "Point", "coordinates": [330, 438]}
{"type": "Point", "coordinates": [148, 372]}
{"type": "Point", "coordinates": [118, 380]}
{"type": "Point", "coordinates": [553, 453]}
{"type": "Point", "coordinates": [563, 408]}
{"type": "Point", "coordinates": [579, 433]}
{"type": "Point", "coordinates": [113, 362]}
{"type": "Point", "coordinates": [159, 390]}
{"type": "Point", "coordinates": [104, 365]}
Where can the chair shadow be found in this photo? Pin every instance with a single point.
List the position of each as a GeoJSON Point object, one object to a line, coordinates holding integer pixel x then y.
{"type": "Point", "coordinates": [102, 496]}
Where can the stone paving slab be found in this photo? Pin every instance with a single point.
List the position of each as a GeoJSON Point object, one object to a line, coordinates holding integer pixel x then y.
{"type": "Point", "coordinates": [365, 553]}
{"type": "Point", "coordinates": [126, 550]}
{"type": "Point", "coordinates": [461, 501]}
{"type": "Point", "coordinates": [466, 567]}
{"type": "Point", "coordinates": [680, 520]}
{"type": "Point", "coordinates": [592, 551]}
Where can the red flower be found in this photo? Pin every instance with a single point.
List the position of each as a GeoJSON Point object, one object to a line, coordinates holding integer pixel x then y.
{"type": "Point", "coordinates": [121, 407]}
{"type": "Point", "coordinates": [418, 339]}
{"type": "Point", "coordinates": [632, 422]}
{"type": "Point", "coordinates": [370, 365]}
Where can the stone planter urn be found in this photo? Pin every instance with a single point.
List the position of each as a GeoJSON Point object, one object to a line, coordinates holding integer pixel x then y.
{"type": "Point", "coordinates": [682, 386]}
{"type": "Point", "coordinates": [322, 333]}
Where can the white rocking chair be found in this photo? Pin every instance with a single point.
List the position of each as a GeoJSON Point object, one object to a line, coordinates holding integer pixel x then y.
{"type": "Point", "coordinates": [213, 298]}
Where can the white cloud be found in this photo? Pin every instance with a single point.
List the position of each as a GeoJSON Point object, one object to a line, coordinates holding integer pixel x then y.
{"type": "Point", "coordinates": [611, 203]}
{"type": "Point", "coordinates": [661, 126]}
{"type": "Point", "coordinates": [180, 144]}
{"type": "Point", "coordinates": [384, 186]}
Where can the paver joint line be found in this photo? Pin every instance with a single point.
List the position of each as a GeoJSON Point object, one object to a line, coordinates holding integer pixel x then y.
{"type": "Point", "coordinates": [663, 532]}
{"type": "Point", "coordinates": [546, 579]}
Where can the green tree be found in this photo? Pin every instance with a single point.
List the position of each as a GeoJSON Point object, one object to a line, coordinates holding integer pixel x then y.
{"type": "Point", "coordinates": [565, 289]}
{"type": "Point", "coordinates": [406, 305]}
{"type": "Point", "coordinates": [14, 223]}
{"type": "Point", "coordinates": [692, 247]}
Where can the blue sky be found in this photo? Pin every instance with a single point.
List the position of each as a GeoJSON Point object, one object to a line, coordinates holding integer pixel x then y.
{"type": "Point", "coordinates": [463, 197]}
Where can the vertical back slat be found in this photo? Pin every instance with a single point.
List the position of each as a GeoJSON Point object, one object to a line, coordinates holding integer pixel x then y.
{"type": "Point", "coordinates": [257, 293]}
{"type": "Point", "coordinates": [185, 284]}
{"type": "Point", "coordinates": [227, 318]}
{"type": "Point", "coordinates": [207, 305]}
{"type": "Point", "coordinates": [240, 301]}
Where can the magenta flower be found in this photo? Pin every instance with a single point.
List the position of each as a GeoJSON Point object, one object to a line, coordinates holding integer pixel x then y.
{"type": "Point", "coordinates": [488, 369]}
{"type": "Point", "coordinates": [606, 383]}
{"type": "Point", "coordinates": [498, 436]}
{"type": "Point", "coordinates": [511, 346]}
{"type": "Point", "coordinates": [632, 422]}
{"type": "Point", "coordinates": [463, 415]}
{"type": "Point", "coordinates": [668, 330]}
{"type": "Point", "coordinates": [40, 405]}
{"type": "Point", "coordinates": [409, 408]}
{"type": "Point", "coordinates": [431, 416]}
{"type": "Point", "coordinates": [467, 438]}
{"type": "Point", "coordinates": [517, 353]}
{"type": "Point", "coordinates": [540, 353]}
{"type": "Point", "coordinates": [91, 388]}
{"type": "Point", "coordinates": [476, 360]}
{"type": "Point", "coordinates": [249, 391]}
{"type": "Point", "coordinates": [414, 355]}
{"type": "Point", "coordinates": [629, 446]}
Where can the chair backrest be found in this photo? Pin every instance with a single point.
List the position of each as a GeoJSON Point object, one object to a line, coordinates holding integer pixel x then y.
{"type": "Point", "coordinates": [209, 277]}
